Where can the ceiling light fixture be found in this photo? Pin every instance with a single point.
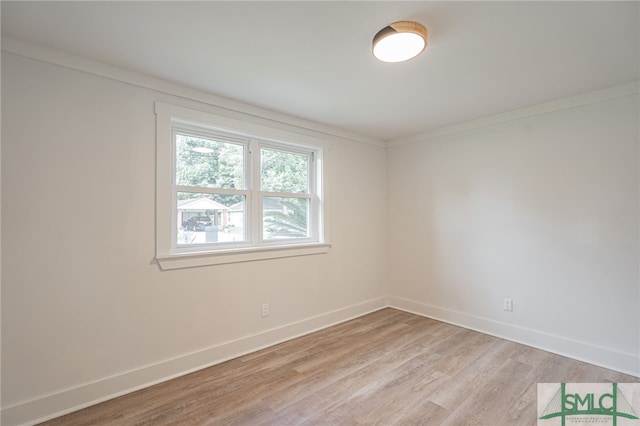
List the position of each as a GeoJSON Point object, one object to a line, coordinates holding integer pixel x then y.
{"type": "Point", "coordinates": [400, 41]}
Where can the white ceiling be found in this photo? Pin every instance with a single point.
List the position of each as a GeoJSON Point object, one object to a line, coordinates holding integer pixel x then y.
{"type": "Point", "coordinates": [313, 59]}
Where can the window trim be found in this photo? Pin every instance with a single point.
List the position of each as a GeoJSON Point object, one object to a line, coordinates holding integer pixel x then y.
{"type": "Point", "coordinates": [168, 256]}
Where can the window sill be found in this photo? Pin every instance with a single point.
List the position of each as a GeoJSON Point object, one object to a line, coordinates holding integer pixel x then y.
{"type": "Point", "coordinates": [220, 257]}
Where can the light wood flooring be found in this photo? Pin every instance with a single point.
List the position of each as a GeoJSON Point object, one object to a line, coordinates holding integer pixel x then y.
{"type": "Point", "coordinates": [388, 367]}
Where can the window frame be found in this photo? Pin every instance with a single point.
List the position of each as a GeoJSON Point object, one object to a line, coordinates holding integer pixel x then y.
{"type": "Point", "coordinates": [171, 120]}
{"type": "Point", "coordinates": [311, 193]}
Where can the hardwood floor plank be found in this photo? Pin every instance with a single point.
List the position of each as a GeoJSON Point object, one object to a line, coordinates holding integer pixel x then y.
{"type": "Point", "coordinates": [489, 402]}
{"type": "Point", "coordinates": [473, 376]}
{"type": "Point", "coordinates": [389, 367]}
{"type": "Point", "coordinates": [427, 413]}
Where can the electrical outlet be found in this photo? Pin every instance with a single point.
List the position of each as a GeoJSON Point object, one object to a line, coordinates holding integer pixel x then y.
{"type": "Point", "coordinates": [265, 310]}
{"type": "Point", "coordinates": [508, 304]}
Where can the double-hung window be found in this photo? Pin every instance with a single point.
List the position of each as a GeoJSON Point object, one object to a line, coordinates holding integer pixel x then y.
{"type": "Point", "coordinates": [229, 191]}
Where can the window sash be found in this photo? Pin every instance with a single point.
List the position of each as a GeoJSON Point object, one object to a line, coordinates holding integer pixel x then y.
{"type": "Point", "coordinates": [185, 130]}
{"type": "Point", "coordinates": [309, 153]}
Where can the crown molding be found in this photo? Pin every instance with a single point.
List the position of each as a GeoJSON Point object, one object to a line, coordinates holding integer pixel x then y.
{"type": "Point", "coordinates": [620, 91]}
{"type": "Point", "coordinates": [78, 63]}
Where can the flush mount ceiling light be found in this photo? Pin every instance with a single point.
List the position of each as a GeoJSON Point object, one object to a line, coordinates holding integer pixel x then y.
{"type": "Point", "coordinates": [400, 41]}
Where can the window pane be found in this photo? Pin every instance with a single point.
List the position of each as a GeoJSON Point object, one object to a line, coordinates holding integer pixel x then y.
{"type": "Point", "coordinates": [210, 218]}
{"type": "Point", "coordinates": [285, 217]}
{"type": "Point", "coordinates": [209, 163]}
{"type": "Point", "coordinates": [283, 171]}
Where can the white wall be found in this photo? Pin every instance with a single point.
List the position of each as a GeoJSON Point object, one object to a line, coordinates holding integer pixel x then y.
{"type": "Point", "coordinates": [544, 210]}
{"type": "Point", "coordinates": [86, 313]}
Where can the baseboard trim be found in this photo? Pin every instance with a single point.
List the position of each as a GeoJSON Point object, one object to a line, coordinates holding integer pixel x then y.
{"type": "Point", "coordinates": [582, 351]}
{"type": "Point", "coordinates": [69, 400]}
{"type": "Point", "coordinates": [66, 401]}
